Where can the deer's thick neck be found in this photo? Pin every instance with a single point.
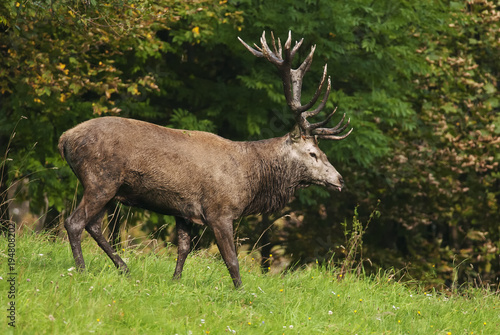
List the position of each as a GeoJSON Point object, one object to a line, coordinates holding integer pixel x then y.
{"type": "Point", "coordinates": [273, 177]}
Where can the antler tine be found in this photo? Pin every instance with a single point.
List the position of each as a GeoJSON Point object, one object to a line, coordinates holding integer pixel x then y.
{"type": "Point", "coordinates": [270, 56]}
{"type": "Point", "coordinates": [332, 131]}
{"type": "Point", "coordinates": [325, 121]}
{"type": "Point", "coordinates": [274, 45]}
{"type": "Point", "coordinates": [306, 64]}
{"type": "Point", "coordinates": [318, 92]}
{"type": "Point", "coordinates": [335, 137]}
{"type": "Point", "coordinates": [252, 50]}
{"type": "Point", "coordinates": [287, 57]}
{"type": "Point", "coordinates": [339, 128]}
{"type": "Point", "coordinates": [264, 50]}
{"type": "Point", "coordinates": [321, 104]}
{"type": "Point", "coordinates": [280, 50]}
{"type": "Point", "coordinates": [296, 47]}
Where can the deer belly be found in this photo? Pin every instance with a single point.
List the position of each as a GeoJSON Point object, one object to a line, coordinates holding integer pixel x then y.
{"type": "Point", "coordinates": [161, 201]}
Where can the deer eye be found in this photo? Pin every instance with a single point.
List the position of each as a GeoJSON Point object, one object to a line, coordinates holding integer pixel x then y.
{"type": "Point", "coordinates": [313, 155]}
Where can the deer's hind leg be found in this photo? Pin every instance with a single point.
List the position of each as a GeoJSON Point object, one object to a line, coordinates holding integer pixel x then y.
{"type": "Point", "coordinates": [95, 230]}
{"type": "Point", "coordinates": [89, 211]}
{"type": "Point", "coordinates": [76, 223]}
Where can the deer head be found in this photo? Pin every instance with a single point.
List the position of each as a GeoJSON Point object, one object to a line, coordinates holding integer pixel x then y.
{"type": "Point", "coordinates": [304, 136]}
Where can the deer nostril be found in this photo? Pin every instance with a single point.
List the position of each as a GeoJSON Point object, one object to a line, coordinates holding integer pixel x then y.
{"type": "Point", "coordinates": [341, 181]}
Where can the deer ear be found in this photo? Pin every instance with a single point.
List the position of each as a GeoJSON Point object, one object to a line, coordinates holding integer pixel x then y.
{"type": "Point", "coordinates": [296, 133]}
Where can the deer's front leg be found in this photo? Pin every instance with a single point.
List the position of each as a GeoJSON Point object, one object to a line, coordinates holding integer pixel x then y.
{"type": "Point", "coordinates": [223, 231]}
{"type": "Point", "coordinates": [183, 245]}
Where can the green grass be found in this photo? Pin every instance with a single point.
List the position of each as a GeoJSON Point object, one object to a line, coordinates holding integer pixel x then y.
{"type": "Point", "coordinates": [51, 299]}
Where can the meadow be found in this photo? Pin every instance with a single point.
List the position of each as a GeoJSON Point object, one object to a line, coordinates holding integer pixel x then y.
{"type": "Point", "coordinates": [53, 298]}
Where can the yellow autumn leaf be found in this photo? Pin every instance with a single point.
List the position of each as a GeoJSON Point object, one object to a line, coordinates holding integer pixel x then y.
{"type": "Point", "coordinates": [196, 30]}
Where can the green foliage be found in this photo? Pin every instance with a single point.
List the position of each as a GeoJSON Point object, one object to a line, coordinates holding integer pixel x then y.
{"type": "Point", "coordinates": [354, 243]}
{"type": "Point", "coordinates": [448, 167]}
{"type": "Point", "coordinates": [182, 119]}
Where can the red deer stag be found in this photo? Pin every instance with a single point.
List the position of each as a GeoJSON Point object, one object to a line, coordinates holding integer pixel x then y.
{"type": "Point", "coordinates": [198, 177]}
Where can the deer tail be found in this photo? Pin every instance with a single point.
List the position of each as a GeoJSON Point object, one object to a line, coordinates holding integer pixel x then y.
{"type": "Point", "coordinates": [61, 145]}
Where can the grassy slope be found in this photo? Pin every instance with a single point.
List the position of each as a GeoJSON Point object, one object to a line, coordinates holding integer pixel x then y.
{"type": "Point", "coordinates": [53, 300]}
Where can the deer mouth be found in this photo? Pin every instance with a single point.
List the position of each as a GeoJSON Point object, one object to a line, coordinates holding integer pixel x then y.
{"type": "Point", "coordinates": [334, 187]}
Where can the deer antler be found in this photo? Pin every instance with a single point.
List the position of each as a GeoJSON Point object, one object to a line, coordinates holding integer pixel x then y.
{"type": "Point", "coordinates": [292, 85]}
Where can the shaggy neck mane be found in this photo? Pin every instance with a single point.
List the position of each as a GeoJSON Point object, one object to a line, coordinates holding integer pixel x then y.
{"type": "Point", "coordinates": [274, 178]}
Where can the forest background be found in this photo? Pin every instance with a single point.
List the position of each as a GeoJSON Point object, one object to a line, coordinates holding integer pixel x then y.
{"type": "Point", "coordinates": [419, 80]}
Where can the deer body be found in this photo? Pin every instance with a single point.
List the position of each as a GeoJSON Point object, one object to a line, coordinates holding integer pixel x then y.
{"type": "Point", "coordinates": [197, 177]}
{"type": "Point", "coordinates": [184, 173]}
